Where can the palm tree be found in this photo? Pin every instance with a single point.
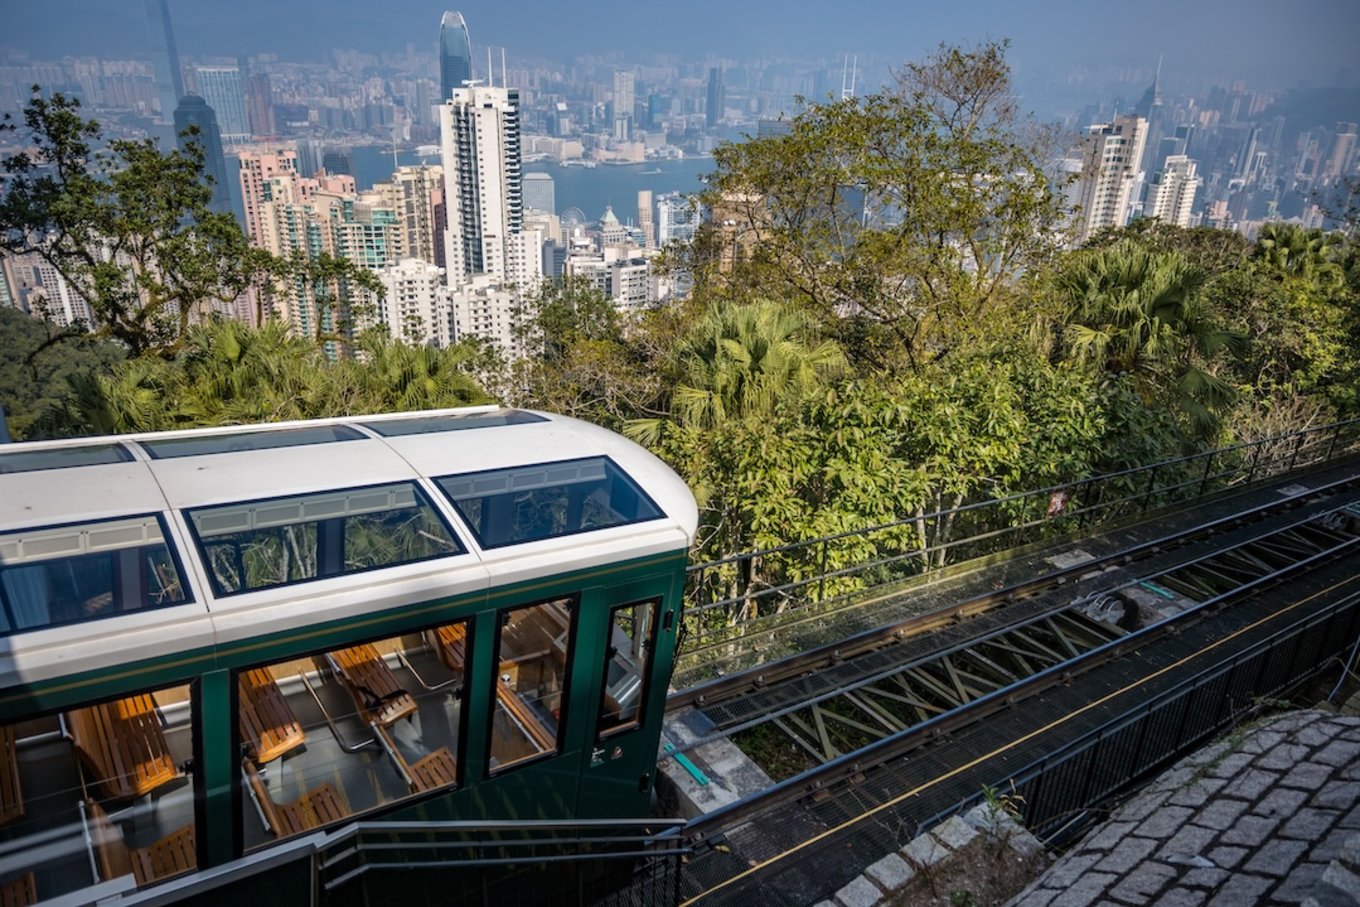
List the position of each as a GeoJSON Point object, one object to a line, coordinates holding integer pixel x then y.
{"type": "Point", "coordinates": [739, 362]}
{"type": "Point", "coordinates": [1309, 254]}
{"type": "Point", "coordinates": [1138, 312]}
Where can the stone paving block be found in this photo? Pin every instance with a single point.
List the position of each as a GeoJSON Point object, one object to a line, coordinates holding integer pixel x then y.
{"type": "Point", "coordinates": [1240, 889]}
{"type": "Point", "coordinates": [1249, 831]}
{"type": "Point", "coordinates": [1188, 842]}
{"type": "Point", "coordinates": [1338, 753]}
{"type": "Point", "coordinates": [1141, 884]}
{"type": "Point", "coordinates": [1330, 847]}
{"type": "Point", "coordinates": [1292, 721]}
{"type": "Point", "coordinates": [1307, 776]}
{"type": "Point", "coordinates": [1261, 740]}
{"type": "Point", "coordinates": [1141, 806]}
{"type": "Point", "coordinates": [1284, 757]}
{"type": "Point", "coordinates": [1181, 897]}
{"type": "Point", "coordinates": [1229, 765]}
{"type": "Point", "coordinates": [1208, 754]}
{"type": "Point", "coordinates": [1343, 879]}
{"type": "Point", "coordinates": [954, 833]}
{"type": "Point", "coordinates": [859, 893]}
{"type": "Point", "coordinates": [890, 873]}
{"type": "Point", "coordinates": [1300, 882]}
{"type": "Point", "coordinates": [1310, 824]}
{"type": "Point", "coordinates": [1338, 795]}
{"type": "Point", "coordinates": [1039, 897]}
{"type": "Point", "coordinates": [1197, 792]}
{"type": "Point", "coordinates": [1212, 879]}
{"type": "Point", "coordinates": [1280, 803]}
{"type": "Point", "coordinates": [1173, 779]}
{"type": "Point", "coordinates": [924, 851]}
{"type": "Point", "coordinates": [1085, 892]}
{"type": "Point", "coordinates": [1352, 818]}
{"type": "Point", "coordinates": [1221, 813]}
{"type": "Point", "coordinates": [1276, 858]}
{"type": "Point", "coordinates": [1107, 836]}
{"type": "Point", "coordinates": [1319, 733]}
{"type": "Point", "coordinates": [1067, 871]}
{"type": "Point", "coordinates": [1227, 857]}
{"type": "Point", "coordinates": [1127, 854]}
{"type": "Point", "coordinates": [1165, 822]}
{"type": "Point", "coordinates": [1251, 784]}
{"type": "Point", "coordinates": [1350, 852]}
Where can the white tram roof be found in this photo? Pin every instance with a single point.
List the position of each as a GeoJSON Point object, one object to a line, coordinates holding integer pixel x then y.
{"type": "Point", "coordinates": [59, 483]}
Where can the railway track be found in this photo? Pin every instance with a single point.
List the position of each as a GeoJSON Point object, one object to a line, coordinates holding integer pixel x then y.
{"type": "Point", "coordinates": [847, 732]}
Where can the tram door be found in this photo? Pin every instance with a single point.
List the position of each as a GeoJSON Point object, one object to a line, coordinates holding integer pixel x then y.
{"type": "Point", "coordinates": [634, 636]}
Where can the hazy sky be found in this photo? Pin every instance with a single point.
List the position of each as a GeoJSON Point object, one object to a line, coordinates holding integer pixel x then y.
{"type": "Point", "coordinates": [1267, 42]}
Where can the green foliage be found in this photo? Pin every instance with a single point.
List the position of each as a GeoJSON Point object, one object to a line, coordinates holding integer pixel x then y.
{"type": "Point", "coordinates": [34, 373]}
{"type": "Point", "coordinates": [127, 226]}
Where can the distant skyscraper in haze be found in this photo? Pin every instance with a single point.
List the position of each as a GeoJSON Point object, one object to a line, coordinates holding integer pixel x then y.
{"type": "Point", "coordinates": [220, 86]}
{"type": "Point", "coordinates": [1110, 157]}
{"type": "Point", "coordinates": [540, 192]}
{"type": "Point", "coordinates": [194, 111]}
{"type": "Point", "coordinates": [1172, 191]}
{"type": "Point", "coordinates": [645, 223]}
{"type": "Point", "coordinates": [455, 54]}
{"type": "Point", "coordinates": [164, 58]}
{"type": "Point", "coordinates": [713, 112]}
{"type": "Point", "coordinates": [624, 99]}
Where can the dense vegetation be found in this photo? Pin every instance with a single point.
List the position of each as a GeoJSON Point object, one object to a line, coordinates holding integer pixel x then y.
{"type": "Point", "coordinates": [885, 322]}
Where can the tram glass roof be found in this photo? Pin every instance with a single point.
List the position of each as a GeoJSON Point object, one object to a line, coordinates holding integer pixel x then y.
{"type": "Point", "coordinates": [170, 448]}
{"type": "Point", "coordinates": [63, 458]}
{"type": "Point", "coordinates": [395, 428]}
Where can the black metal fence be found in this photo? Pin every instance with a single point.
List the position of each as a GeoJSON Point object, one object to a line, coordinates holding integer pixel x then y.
{"type": "Point", "coordinates": [728, 597]}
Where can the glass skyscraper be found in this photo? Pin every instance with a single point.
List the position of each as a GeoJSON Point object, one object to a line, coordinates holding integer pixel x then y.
{"type": "Point", "coordinates": [220, 86]}
{"type": "Point", "coordinates": [164, 58]}
{"type": "Point", "coordinates": [194, 111]}
{"type": "Point", "coordinates": [455, 54]}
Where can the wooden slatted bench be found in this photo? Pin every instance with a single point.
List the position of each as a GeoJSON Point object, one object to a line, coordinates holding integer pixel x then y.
{"type": "Point", "coordinates": [268, 725]}
{"type": "Point", "coordinates": [450, 644]}
{"type": "Point", "coordinates": [11, 791]}
{"type": "Point", "coordinates": [525, 717]}
{"type": "Point", "coordinates": [171, 855]}
{"type": "Point", "coordinates": [20, 891]}
{"type": "Point", "coordinates": [438, 769]}
{"type": "Point", "coordinates": [371, 684]}
{"type": "Point", "coordinates": [319, 806]}
{"type": "Point", "coordinates": [123, 745]}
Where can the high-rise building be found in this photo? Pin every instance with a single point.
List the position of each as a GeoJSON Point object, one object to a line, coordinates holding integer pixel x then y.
{"type": "Point", "coordinates": [413, 193]}
{"type": "Point", "coordinates": [1172, 191]}
{"type": "Point", "coordinates": [483, 186]}
{"type": "Point", "coordinates": [337, 160]}
{"type": "Point", "coordinates": [455, 54]}
{"type": "Point", "coordinates": [258, 169]}
{"type": "Point", "coordinates": [623, 105]}
{"type": "Point", "coordinates": [645, 223]}
{"type": "Point", "coordinates": [540, 192]}
{"type": "Point", "coordinates": [417, 306]}
{"type": "Point", "coordinates": [677, 218]}
{"type": "Point", "coordinates": [259, 106]}
{"type": "Point", "coordinates": [1110, 158]}
{"type": "Point", "coordinates": [713, 112]}
{"type": "Point", "coordinates": [194, 111]}
{"type": "Point", "coordinates": [220, 87]}
{"type": "Point", "coordinates": [164, 58]}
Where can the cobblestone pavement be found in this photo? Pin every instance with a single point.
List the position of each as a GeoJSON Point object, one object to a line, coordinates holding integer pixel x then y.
{"type": "Point", "coordinates": [1269, 815]}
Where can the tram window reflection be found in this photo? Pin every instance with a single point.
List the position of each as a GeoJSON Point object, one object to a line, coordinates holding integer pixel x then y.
{"type": "Point", "coordinates": [627, 657]}
{"type": "Point", "coordinates": [348, 729]}
{"type": "Point", "coordinates": [533, 657]}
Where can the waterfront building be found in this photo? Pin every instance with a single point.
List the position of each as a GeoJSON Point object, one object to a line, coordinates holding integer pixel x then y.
{"type": "Point", "coordinates": [455, 54]}
{"type": "Point", "coordinates": [713, 112]}
{"type": "Point", "coordinates": [624, 99]}
{"type": "Point", "coordinates": [220, 87]}
{"type": "Point", "coordinates": [194, 112]}
{"type": "Point", "coordinates": [677, 218]}
{"type": "Point", "coordinates": [645, 223]}
{"type": "Point", "coordinates": [1110, 157]}
{"type": "Point", "coordinates": [540, 192]}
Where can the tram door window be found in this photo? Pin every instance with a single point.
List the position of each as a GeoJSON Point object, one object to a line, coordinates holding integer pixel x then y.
{"type": "Point", "coordinates": [95, 794]}
{"type": "Point", "coordinates": [348, 729]}
{"type": "Point", "coordinates": [533, 657]}
{"type": "Point", "coordinates": [627, 660]}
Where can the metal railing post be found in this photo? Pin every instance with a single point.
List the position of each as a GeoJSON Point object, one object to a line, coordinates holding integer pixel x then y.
{"type": "Point", "coordinates": [1204, 480]}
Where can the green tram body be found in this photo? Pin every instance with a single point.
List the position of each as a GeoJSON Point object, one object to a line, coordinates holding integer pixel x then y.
{"type": "Point", "coordinates": [563, 606]}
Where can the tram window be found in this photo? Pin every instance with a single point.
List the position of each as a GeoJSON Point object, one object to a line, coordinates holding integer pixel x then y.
{"type": "Point", "coordinates": [349, 729]}
{"type": "Point", "coordinates": [533, 657]}
{"type": "Point", "coordinates": [72, 816]}
{"type": "Point", "coordinates": [260, 544]}
{"type": "Point", "coordinates": [76, 572]}
{"type": "Point", "coordinates": [627, 659]}
{"type": "Point", "coordinates": [547, 500]}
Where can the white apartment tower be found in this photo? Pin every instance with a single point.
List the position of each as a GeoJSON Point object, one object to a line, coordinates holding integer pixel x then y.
{"type": "Point", "coordinates": [1172, 192]}
{"type": "Point", "coordinates": [417, 306]}
{"type": "Point", "coordinates": [1110, 157]}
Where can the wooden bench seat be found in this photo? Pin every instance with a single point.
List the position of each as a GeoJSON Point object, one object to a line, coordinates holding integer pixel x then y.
{"type": "Point", "coordinates": [524, 716]}
{"type": "Point", "coordinates": [372, 685]}
{"type": "Point", "coordinates": [11, 791]}
{"type": "Point", "coordinates": [438, 769]}
{"type": "Point", "coordinates": [20, 891]}
{"type": "Point", "coordinates": [268, 725]}
{"type": "Point", "coordinates": [173, 854]}
{"type": "Point", "coordinates": [450, 644]}
{"type": "Point", "coordinates": [123, 745]}
{"type": "Point", "coordinates": [319, 806]}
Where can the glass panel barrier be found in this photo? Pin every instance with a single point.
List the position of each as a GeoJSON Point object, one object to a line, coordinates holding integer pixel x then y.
{"type": "Point", "coordinates": [530, 677]}
{"type": "Point", "coordinates": [627, 659]}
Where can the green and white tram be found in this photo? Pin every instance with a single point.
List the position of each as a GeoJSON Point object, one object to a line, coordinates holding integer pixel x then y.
{"type": "Point", "coordinates": [215, 640]}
